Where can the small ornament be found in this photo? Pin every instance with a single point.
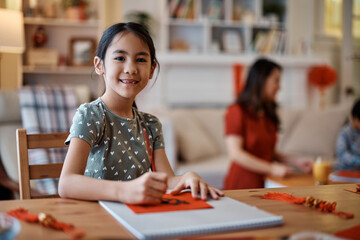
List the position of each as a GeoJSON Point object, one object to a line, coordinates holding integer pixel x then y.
{"type": "Point", "coordinates": [309, 201]}
{"type": "Point", "coordinates": [39, 37]}
{"type": "Point", "coordinates": [47, 221]}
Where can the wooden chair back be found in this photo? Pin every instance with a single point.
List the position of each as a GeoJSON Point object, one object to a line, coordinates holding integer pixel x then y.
{"type": "Point", "coordinates": [40, 171]}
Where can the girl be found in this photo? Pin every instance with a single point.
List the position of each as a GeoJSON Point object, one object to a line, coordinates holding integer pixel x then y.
{"type": "Point", "coordinates": [251, 125]}
{"type": "Point", "coordinates": [111, 140]}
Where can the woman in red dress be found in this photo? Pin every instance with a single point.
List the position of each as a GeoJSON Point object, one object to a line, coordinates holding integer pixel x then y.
{"type": "Point", "coordinates": [251, 125]}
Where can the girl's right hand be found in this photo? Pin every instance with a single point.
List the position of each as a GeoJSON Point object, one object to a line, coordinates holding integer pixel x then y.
{"type": "Point", "coordinates": [280, 170]}
{"type": "Point", "coordinates": [146, 189]}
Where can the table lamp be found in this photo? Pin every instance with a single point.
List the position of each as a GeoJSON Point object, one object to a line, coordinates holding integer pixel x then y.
{"type": "Point", "coordinates": [12, 38]}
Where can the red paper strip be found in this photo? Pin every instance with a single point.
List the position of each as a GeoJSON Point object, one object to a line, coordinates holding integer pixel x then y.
{"type": "Point", "coordinates": [349, 233]}
{"type": "Point", "coordinates": [356, 190]}
{"type": "Point", "coordinates": [170, 203]}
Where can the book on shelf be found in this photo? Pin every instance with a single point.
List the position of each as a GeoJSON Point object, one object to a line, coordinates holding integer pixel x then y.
{"type": "Point", "coordinates": [215, 9]}
{"type": "Point", "coordinates": [183, 9]}
{"type": "Point", "coordinates": [272, 41]}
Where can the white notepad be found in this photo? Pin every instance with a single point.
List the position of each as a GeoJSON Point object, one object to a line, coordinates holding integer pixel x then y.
{"type": "Point", "coordinates": [226, 215]}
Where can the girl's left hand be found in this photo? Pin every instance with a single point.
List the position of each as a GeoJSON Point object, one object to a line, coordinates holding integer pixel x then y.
{"type": "Point", "coordinates": [196, 183]}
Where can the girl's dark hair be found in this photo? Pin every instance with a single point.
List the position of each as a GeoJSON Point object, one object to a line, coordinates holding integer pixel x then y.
{"type": "Point", "coordinates": [355, 111]}
{"type": "Point", "coordinates": [128, 27]}
{"type": "Point", "coordinates": [251, 98]}
{"type": "Point", "coordinates": [132, 27]}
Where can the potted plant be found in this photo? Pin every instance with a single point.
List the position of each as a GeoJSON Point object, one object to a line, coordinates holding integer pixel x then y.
{"type": "Point", "coordinates": [75, 9]}
{"type": "Point", "coordinates": [140, 17]}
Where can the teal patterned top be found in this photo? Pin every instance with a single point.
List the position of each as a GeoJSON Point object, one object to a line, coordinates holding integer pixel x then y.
{"type": "Point", "coordinates": [118, 147]}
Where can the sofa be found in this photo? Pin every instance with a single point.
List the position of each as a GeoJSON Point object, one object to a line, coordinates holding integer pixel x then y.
{"type": "Point", "coordinates": [194, 138]}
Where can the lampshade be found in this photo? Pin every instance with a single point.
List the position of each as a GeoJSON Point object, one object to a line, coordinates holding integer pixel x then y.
{"type": "Point", "coordinates": [12, 38]}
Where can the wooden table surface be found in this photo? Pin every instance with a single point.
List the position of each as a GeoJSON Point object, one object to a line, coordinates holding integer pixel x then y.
{"type": "Point", "coordinates": [99, 224]}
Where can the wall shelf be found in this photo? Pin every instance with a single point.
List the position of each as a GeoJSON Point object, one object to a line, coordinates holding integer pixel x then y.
{"type": "Point", "coordinates": [61, 22]}
{"type": "Point", "coordinates": [66, 70]}
{"type": "Point", "coordinates": [193, 59]}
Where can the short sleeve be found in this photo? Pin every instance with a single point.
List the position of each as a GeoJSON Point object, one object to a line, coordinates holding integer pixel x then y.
{"type": "Point", "coordinates": [155, 127]}
{"type": "Point", "coordinates": [87, 124]}
{"type": "Point", "coordinates": [234, 120]}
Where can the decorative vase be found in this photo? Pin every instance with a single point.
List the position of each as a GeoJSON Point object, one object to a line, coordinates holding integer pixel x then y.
{"type": "Point", "coordinates": [76, 13]}
{"type": "Point", "coordinates": [72, 13]}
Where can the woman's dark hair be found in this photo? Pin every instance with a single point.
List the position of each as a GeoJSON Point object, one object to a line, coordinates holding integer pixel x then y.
{"type": "Point", "coordinates": [251, 98]}
{"type": "Point", "coordinates": [128, 27]}
{"type": "Point", "coordinates": [355, 111]}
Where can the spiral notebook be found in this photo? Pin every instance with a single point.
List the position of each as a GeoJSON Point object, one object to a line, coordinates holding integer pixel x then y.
{"type": "Point", "coordinates": [226, 215]}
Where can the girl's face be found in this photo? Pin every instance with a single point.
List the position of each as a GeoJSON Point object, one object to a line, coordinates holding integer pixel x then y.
{"type": "Point", "coordinates": [127, 66]}
{"type": "Point", "coordinates": [272, 85]}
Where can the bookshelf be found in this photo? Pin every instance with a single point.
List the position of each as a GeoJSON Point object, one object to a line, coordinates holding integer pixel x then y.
{"type": "Point", "coordinates": [51, 63]}
{"type": "Point", "coordinates": [225, 26]}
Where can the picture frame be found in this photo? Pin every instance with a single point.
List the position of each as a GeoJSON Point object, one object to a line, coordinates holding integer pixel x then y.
{"type": "Point", "coordinates": [81, 51]}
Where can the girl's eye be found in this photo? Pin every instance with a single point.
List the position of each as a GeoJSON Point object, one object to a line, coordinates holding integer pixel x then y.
{"type": "Point", "coordinates": [120, 58]}
{"type": "Point", "coordinates": [141, 60]}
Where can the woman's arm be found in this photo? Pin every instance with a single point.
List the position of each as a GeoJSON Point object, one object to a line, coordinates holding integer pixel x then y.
{"type": "Point", "coordinates": [146, 189]}
{"type": "Point", "coordinates": [188, 180]}
{"type": "Point", "coordinates": [303, 163]}
{"type": "Point", "coordinates": [234, 144]}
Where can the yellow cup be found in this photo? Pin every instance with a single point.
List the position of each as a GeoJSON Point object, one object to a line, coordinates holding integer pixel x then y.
{"type": "Point", "coordinates": [321, 170]}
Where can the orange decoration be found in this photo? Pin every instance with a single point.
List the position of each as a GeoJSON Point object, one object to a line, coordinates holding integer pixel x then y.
{"type": "Point", "coordinates": [322, 77]}
{"type": "Point", "coordinates": [320, 205]}
{"type": "Point", "coordinates": [47, 221]}
{"type": "Point", "coordinates": [239, 83]}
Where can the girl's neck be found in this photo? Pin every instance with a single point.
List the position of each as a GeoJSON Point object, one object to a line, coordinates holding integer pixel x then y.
{"type": "Point", "coordinates": [120, 107]}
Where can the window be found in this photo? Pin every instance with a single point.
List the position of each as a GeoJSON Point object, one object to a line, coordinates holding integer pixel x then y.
{"type": "Point", "coordinates": [333, 18]}
{"type": "Point", "coordinates": [333, 11]}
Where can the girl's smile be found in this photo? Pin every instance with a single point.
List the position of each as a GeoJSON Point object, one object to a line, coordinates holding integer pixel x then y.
{"type": "Point", "coordinates": [129, 81]}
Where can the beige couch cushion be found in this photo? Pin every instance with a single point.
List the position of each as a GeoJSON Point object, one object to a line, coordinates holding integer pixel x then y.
{"type": "Point", "coordinates": [288, 120]}
{"type": "Point", "coordinates": [9, 106]}
{"type": "Point", "coordinates": [316, 132]}
{"type": "Point", "coordinates": [212, 120]}
{"type": "Point", "coordinates": [8, 149]}
{"type": "Point", "coordinates": [193, 141]}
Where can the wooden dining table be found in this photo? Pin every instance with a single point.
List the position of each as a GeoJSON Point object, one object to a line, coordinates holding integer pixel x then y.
{"type": "Point", "coordinates": [99, 224]}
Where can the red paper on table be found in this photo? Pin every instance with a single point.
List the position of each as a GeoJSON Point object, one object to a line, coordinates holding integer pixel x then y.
{"type": "Point", "coordinates": [170, 203]}
{"type": "Point", "coordinates": [350, 174]}
{"type": "Point", "coordinates": [350, 233]}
